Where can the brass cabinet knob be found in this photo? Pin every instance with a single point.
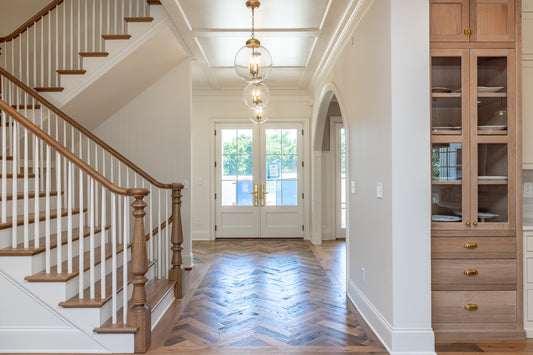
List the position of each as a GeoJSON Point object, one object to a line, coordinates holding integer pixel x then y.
{"type": "Point", "coordinates": [471, 272]}
{"type": "Point", "coordinates": [471, 307]}
{"type": "Point", "coordinates": [470, 245]}
{"type": "Point", "coordinates": [467, 224]}
{"type": "Point", "coordinates": [474, 224]}
{"type": "Point", "coordinates": [468, 31]}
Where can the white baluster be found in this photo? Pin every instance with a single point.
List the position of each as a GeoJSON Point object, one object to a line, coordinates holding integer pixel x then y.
{"type": "Point", "coordinates": [47, 207]}
{"type": "Point", "coordinates": [151, 242]}
{"type": "Point", "coordinates": [26, 193]}
{"type": "Point", "coordinates": [159, 236]}
{"type": "Point", "coordinates": [91, 231]}
{"type": "Point", "coordinates": [36, 191]}
{"type": "Point", "coordinates": [113, 259]}
{"type": "Point", "coordinates": [82, 233]}
{"type": "Point", "coordinates": [125, 262]}
{"type": "Point", "coordinates": [64, 44]}
{"type": "Point", "coordinates": [4, 165]}
{"type": "Point", "coordinates": [167, 240]}
{"type": "Point", "coordinates": [103, 243]}
{"type": "Point", "coordinates": [59, 225]}
{"type": "Point", "coordinates": [69, 220]}
{"type": "Point", "coordinates": [56, 44]}
{"type": "Point", "coordinates": [49, 16]}
{"type": "Point", "coordinates": [42, 54]}
{"type": "Point", "coordinates": [94, 25]}
{"type": "Point", "coordinates": [119, 206]}
{"type": "Point", "coordinates": [14, 184]}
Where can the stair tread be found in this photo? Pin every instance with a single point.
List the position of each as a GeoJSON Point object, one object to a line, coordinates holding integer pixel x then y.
{"type": "Point", "coordinates": [54, 276]}
{"type": "Point", "coordinates": [71, 71]}
{"type": "Point", "coordinates": [19, 176]}
{"type": "Point", "coordinates": [94, 54]}
{"type": "Point", "coordinates": [138, 19]}
{"type": "Point", "coordinates": [26, 107]}
{"type": "Point", "coordinates": [49, 89]}
{"type": "Point", "coordinates": [21, 251]}
{"type": "Point", "coordinates": [98, 301]}
{"type": "Point", "coordinates": [155, 289]}
{"type": "Point", "coordinates": [42, 217]}
{"type": "Point", "coordinates": [20, 196]}
{"type": "Point", "coordinates": [116, 37]}
{"type": "Point", "coordinates": [154, 2]}
{"type": "Point", "coordinates": [8, 157]}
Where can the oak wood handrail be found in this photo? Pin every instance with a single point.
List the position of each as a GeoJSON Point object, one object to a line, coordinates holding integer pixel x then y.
{"type": "Point", "coordinates": [86, 132]}
{"type": "Point", "coordinates": [31, 21]}
{"type": "Point", "coordinates": [89, 170]}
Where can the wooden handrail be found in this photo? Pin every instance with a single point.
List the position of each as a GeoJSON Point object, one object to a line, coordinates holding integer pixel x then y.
{"type": "Point", "coordinates": [31, 21]}
{"type": "Point", "coordinates": [89, 170]}
{"type": "Point", "coordinates": [86, 132]}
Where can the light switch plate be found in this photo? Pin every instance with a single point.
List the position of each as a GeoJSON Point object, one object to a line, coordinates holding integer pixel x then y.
{"type": "Point", "coordinates": [354, 187]}
{"type": "Point", "coordinates": [379, 189]}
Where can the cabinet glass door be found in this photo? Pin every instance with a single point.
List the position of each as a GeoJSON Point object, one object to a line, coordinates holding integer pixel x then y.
{"type": "Point", "coordinates": [492, 145]}
{"type": "Point", "coordinates": [450, 131]}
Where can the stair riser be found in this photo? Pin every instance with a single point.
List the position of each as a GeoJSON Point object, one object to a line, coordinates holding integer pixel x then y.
{"type": "Point", "coordinates": [20, 185]}
{"type": "Point", "coordinates": [31, 204]}
{"type": "Point", "coordinates": [5, 234]}
{"type": "Point", "coordinates": [39, 261]}
{"type": "Point", "coordinates": [71, 286]}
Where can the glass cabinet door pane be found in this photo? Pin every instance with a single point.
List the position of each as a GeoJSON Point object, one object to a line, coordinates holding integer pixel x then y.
{"type": "Point", "coordinates": [447, 172]}
{"type": "Point", "coordinates": [492, 182]}
{"type": "Point", "coordinates": [446, 88]}
{"type": "Point", "coordinates": [492, 95]}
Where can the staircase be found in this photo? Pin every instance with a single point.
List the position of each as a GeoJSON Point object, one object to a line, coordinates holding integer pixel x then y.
{"type": "Point", "coordinates": [90, 244]}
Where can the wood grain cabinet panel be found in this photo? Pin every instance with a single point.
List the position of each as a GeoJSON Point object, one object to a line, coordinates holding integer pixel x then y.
{"type": "Point", "coordinates": [482, 271]}
{"type": "Point", "coordinates": [492, 20]}
{"type": "Point", "coordinates": [449, 18]}
{"type": "Point", "coordinates": [473, 247]}
{"type": "Point", "coordinates": [492, 306]}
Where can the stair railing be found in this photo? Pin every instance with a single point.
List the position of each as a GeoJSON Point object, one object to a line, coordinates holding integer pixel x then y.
{"type": "Point", "coordinates": [29, 141]}
{"type": "Point", "coordinates": [55, 39]}
{"type": "Point", "coordinates": [164, 201]}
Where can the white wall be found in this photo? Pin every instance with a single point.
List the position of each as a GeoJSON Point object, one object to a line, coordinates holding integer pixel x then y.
{"type": "Point", "coordinates": [381, 80]}
{"type": "Point", "coordinates": [210, 106]}
{"type": "Point", "coordinates": [14, 13]}
{"type": "Point", "coordinates": [153, 131]}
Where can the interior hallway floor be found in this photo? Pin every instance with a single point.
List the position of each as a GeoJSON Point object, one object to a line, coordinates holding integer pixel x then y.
{"type": "Point", "coordinates": [278, 297]}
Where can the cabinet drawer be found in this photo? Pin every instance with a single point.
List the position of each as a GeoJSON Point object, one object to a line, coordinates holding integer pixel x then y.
{"type": "Point", "coordinates": [492, 306]}
{"type": "Point", "coordinates": [482, 271]}
{"type": "Point", "coordinates": [473, 247]}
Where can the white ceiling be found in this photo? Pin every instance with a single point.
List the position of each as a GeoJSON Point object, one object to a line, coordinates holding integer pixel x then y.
{"type": "Point", "coordinates": [297, 33]}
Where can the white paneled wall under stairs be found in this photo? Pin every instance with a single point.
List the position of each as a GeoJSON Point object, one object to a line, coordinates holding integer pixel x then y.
{"type": "Point", "coordinates": [90, 244]}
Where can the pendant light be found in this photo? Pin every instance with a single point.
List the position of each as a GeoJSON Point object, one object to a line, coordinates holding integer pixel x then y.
{"type": "Point", "coordinates": [253, 62]}
{"type": "Point", "coordinates": [256, 95]}
{"type": "Point", "coordinates": [259, 116]}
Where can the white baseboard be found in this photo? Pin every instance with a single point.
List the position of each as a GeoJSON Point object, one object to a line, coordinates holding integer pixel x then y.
{"type": "Point", "coordinates": [396, 341]}
{"type": "Point", "coordinates": [188, 260]}
{"type": "Point", "coordinates": [201, 235]}
{"type": "Point", "coordinates": [529, 332]}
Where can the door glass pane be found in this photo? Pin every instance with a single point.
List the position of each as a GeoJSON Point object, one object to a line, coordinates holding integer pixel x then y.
{"type": "Point", "coordinates": [281, 167]}
{"type": "Point", "coordinates": [492, 183]}
{"type": "Point", "coordinates": [446, 193]}
{"type": "Point", "coordinates": [237, 167]}
{"type": "Point", "coordinates": [446, 93]}
{"type": "Point", "coordinates": [492, 95]}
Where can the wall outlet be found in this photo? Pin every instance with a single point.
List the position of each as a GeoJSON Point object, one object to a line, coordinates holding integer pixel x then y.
{"type": "Point", "coordinates": [363, 275]}
{"type": "Point", "coordinates": [354, 187]}
{"type": "Point", "coordinates": [379, 189]}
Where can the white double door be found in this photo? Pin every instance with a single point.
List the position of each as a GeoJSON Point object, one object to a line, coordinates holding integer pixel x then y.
{"type": "Point", "coordinates": [259, 180]}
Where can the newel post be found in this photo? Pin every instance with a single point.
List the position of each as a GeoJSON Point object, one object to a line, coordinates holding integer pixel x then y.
{"type": "Point", "coordinates": [139, 314]}
{"type": "Point", "coordinates": [176, 272]}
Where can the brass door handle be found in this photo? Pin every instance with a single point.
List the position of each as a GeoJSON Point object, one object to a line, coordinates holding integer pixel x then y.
{"type": "Point", "coordinates": [474, 223]}
{"type": "Point", "coordinates": [263, 193]}
{"type": "Point", "coordinates": [255, 193]}
{"type": "Point", "coordinates": [471, 272]}
{"type": "Point", "coordinates": [471, 307]}
{"type": "Point", "coordinates": [470, 245]}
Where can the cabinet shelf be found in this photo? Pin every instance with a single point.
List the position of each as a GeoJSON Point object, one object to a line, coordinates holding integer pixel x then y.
{"type": "Point", "coordinates": [491, 94]}
{"type": "Point", "coordinates": [446, 182]}
{"type": "Point", "coordinates": [447, 94]}
{"type": "Point", "coordinates": [492, 182]}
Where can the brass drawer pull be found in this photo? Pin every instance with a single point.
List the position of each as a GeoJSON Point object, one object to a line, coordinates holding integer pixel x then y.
{"type": "Point", "coordinates": [470, 272]}
{"type": "Point", "coordinates": [468, 31]}
{"type": "Point", "coordinates": [470, 245]}
{"type": "Point", "coordinates": [471, 307]}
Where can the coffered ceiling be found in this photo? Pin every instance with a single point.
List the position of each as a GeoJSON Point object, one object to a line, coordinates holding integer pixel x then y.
{"type": "Point", "coordinates": [298, 34]}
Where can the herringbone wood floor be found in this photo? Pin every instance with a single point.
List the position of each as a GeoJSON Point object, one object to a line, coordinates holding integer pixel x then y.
{"type": "Point", "coordinates": [266, 296]}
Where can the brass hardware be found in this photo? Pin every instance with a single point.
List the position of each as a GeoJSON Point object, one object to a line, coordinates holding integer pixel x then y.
{"type": "Point", "coordinates": [468, 32]}
{"type": "Point", "coordinates": [471, 307]}
{"type": "Point", "coordinates": [253, 4]}
{"type": "Point", "coordinates": [474, 223]}
{"type": "Point", "coordinates": [470, 245]}
{"type": "Point", "coordinates": [471, 272]}
{"type": "Point", "coordinates": [256, 197]}
{"type": "Point", "coordinates": [467, 224]}
{"type": "Point", "coordinates": [253, 43]}
{"type": "Point", "coordinates": [263, 193]}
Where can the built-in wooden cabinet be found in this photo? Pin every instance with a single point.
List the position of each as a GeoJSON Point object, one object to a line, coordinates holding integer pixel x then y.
{"type": "Point", "coordinates": [475, 168]}
{"type": "Point", "coordinates": [472, 20]}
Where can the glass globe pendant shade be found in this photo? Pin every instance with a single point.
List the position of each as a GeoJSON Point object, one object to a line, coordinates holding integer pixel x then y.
{"type": "Point", "coordinates": [256, 95]}
{"type": "Point", "coordinates": [253, 62]}
{"type": "Point", "coordinates": [259, 116]}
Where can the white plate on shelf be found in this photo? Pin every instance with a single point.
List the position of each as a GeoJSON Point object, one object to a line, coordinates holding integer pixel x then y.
{"type": "Point", "coordinates": [455, 128]}
{"type": "Point", "coordinates": [500, 127]}
{"type": "Point", "coordinates": [445, 218]}
{"type": "Point", "coordinates": [492, 177]}
{"type": "Point", "coordinates": [486, 89]}
{"type": "Point", "coordinates": [486, 215]}
{"type": "Point", "coordinates": [440, 90]}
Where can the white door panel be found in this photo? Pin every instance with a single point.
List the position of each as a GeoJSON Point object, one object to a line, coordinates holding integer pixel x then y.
{"type": "Point", "coordinates": [265, 157]}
